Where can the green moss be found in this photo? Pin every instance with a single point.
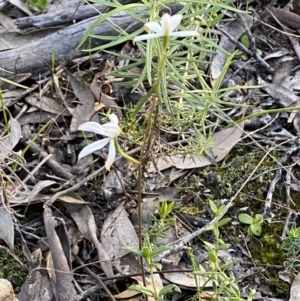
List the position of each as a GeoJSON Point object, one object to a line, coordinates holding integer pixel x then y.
{"type": "Point", "coordinates": [11, 270]}
{"type": "Point", "coordinates": [282, 288]}
{"type": "Point", "coordinates": [235, 171]}
{"type": "Point", "coordinates": [267, 249]}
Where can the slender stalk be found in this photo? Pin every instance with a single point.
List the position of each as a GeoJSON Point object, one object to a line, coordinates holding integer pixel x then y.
{"type": "Point", "coordinates": [153, 284]}
{"type": "Point", "coordinates": [147, 135]}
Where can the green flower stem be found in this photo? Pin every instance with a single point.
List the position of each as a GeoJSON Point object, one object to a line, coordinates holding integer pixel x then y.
{"type": "Point", "coordinates": [153, 284]}
{"type": "Point", "coordinates": [123, 154]}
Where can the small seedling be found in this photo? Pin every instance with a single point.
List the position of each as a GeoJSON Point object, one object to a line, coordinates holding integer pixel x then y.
{"type": "Point", "coordinates": [291, 248]}
{"type": "Point", "coordinates": [255, 224]}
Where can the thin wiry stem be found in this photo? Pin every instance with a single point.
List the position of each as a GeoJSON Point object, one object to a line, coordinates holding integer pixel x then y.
{"type": "Point", "coordinates": [147, 135]}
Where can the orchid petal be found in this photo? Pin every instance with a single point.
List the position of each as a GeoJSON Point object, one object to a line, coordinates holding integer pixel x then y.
{"type": "Point", "coordinates": [93, 147]}
{"type": "Point", "coordinates": [175, 21]}
{"type": "Point", "coordinates": [113, 119]}
{"type": "Point", "coordinates": [147, 37]}
{"type": "Point", "coordinates": [166, 25]}
{"type": "Point", "coordinates": [111, 155]}
{"type": "Point", "coordinates": [111, 130]}
{"type": "Point", "coordinates": [154, 26]}
{"type": "Point", "coordinates": [184, 34]}
{"type": "Point", "coordinates": [92, 126]}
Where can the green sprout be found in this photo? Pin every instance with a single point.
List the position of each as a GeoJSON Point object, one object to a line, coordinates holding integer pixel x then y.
{"type": "Point", "coordinates": [255, 224]}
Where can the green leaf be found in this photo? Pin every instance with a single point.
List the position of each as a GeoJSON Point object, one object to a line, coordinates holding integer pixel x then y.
{"type": "Point", "coordinates": [142, 289]}
{"type": "Point", "coordinates": [159, 250]}
{"type": "Point", "coordinates": [213, 207]}
{"type": "Point", "coordinates": [168, 289]}
{"type": "Point", "coordinates": [245, 218]}
{"type": "Point", "coordinates": [249, 231]}
{"type": "Point", "coordinates": [245, 40]}
{"type": "Point", "coordinates": [133, 250]}
{"type": "Point", "coordinates": [209, 228]}
{"type": "Point", "coordinates": [256, 229]}
{"type": "Point", "coordinates": [157, 265]}
{"type": "Point", "coordinates": [105, 16]}
{"type": "Point", "coordinates": [209, 245]}
{"type": "Point", "coordinates": [224, 221]}
{"type": "Point", "coordinates": [258, 218]}
{"type": "Point", "coordinates": [224, 246]}
{"type": "Point", "coordinates": [225, 266]}
{"type": "Point", "coordinates": [212, 257]}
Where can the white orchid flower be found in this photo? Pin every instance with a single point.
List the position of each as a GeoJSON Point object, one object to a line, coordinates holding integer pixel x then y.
{"type": "Point", "coordinates": [110, 129]}
{"type": "Point", "coordinates": [165, 28]}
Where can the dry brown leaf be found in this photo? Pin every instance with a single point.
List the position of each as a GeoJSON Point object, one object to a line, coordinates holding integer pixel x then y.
{"type": "Point", "coordinates": [7, 232]}
{"type": "Point", "coordinates": [40, 117]}
{"type": "Point", "coordinates": [21, 5]}
{"type": "Point", "coordinates": [8, 23]}
{"type": "Point", "coordinates": [40, 186]}
{"type": "Point", "coordinates": [295, 289]}
{"type": "Point", "coordinates": [284, 96]}
{"type": "Point", "coordinates": [37, 286]}
{"type": "Point", "coordinates": [47, 104]}
{"type": "Point", "coordinates": [100, 95]}
{"type": "Point", "coordinates": [186, 279]}
{"type": "Point", "coordinates": [8, 142]}
{"type": "Point", "coordinates": [235, 29]}
{"type": "Point", "coordinates": [128, 294]}
{"type": "Point", "coordinates": [72, 200]}
{"type": "Point", "coordinates": [224, 141]}
{"type": "Point", "coordinates": [85, 222]}
{"type": "Point", "coordinates": [118, 232]}
{"type": "Point", "coordinates": [84, 111]}
{"type": "Point", "coordinates": [60, 256]}
{"type": "Point", "coordinates": [22, 197]}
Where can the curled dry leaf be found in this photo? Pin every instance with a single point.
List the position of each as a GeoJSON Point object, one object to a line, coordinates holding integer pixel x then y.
{"type": "Point", "coordinates": [37, 286]}
{"type": "Point", "coordinates": [64, 277]}
{"type": "Point", "coordinates": [39, 187]}
{"type": "Point", "coordinates": [8, 142]}
{"type": "Point", "coordinates": [7, 228]}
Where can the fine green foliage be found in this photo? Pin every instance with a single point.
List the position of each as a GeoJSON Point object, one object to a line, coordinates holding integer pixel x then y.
{"type": "Point", "coordinates": [163, 222]}
{"type": "Point", "coordinates": [255, 223]}
{"type": "Point", "coordinates": [291, 247]}
{"type": "Point", "coordinates": [224, 286]}
{"type": "Point", "coordinates": [149, 251]}
{"type": "Point", "coordinates": [174, 71]}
